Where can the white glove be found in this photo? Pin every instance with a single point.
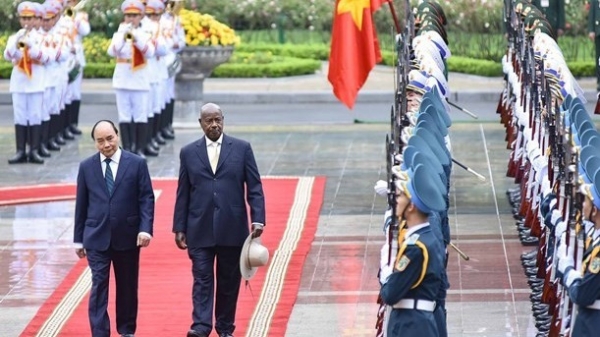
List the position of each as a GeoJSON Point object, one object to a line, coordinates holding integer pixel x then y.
{"type": "Point", "coordinates": [564, 260]}
{"type": "Point", "coordinates": [381, 188]}
{"type": "Point", "coordinates": [384, 274]}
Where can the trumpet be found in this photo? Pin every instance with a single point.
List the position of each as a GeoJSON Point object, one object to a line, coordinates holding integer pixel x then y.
{"type": "Point", "coordinates": [22, 36]}
{"type": "Point", "coordinates": [69, 12]}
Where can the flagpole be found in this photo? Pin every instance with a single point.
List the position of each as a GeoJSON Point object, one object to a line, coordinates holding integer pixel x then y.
{"type": "Point", "coordinates": [394, 16]}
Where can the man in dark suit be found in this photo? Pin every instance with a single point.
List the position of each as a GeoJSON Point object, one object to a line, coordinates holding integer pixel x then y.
{"type": "Point", "coordinates": [114, 215]}
{"type": "Point", "coordinates": [554, 11]}
{"type": "Point", "coordinates": [217, 176]}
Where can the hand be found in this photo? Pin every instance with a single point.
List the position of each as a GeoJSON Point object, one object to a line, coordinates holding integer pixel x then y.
{"type": "Point", "coordinates": [80, 252]}
{"type": "Point", "coordinates": [180, 240]}
{"type": "Point", "coordinates": [143, 240]}
{"type": "Point", "coordinates": [560, 32]}
{"type": "Point", "coordinates": [381, 187]}
{"type": "Point", "coordinates": [384, 274]}
{"type": "Point", "coordinates": [257, 230]}
{"type": "Point", "coordinates": [592, 36]}
{"type": "Point", "coordinates": [564, 261]}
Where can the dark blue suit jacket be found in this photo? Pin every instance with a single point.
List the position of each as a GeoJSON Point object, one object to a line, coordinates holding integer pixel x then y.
{"type": "Point", "coordinates": [103, 221]}
{"type": "Point", "coordinates": [211, 208]}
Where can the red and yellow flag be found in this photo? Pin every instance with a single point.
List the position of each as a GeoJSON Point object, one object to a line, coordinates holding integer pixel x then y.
{"type": "Point", "coordinates": [354, 47]}
{"type": "Point", "coordinates": [25, 63]}
{"type": "Point", "coordinates": [137, 58]}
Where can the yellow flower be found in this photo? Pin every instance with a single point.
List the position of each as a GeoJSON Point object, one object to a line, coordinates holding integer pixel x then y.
{"type": "Point", "coordinates": [204, 29]}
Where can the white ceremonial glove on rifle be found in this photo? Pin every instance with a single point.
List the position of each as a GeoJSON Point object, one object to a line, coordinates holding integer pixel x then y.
{"type": "Point", "coordinates": [381, 188]}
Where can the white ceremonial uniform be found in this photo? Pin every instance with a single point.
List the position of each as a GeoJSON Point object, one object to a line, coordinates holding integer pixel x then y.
{"type": "Point", "coordinates": [27, 89]}
{"type": "Point", "coordinates": [132, 86]}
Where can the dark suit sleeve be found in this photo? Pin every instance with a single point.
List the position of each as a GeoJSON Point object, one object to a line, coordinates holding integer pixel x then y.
{"type": "Point", "coordinates": [81, 206]}
{"type": "Point", "coordinates": [183, 197]}
{"type": "Point", "coordinates": [254, 190]}
{"type": "Point", "coordinates": [146, 198]}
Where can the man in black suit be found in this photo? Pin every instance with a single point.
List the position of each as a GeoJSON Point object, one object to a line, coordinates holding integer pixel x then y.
{"type": "Point", "coordinates": [114, 215]}
{"type": "Point", "coordinates": [217, 176]}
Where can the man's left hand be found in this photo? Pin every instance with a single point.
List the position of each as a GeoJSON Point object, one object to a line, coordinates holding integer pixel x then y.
{"type": "Point", "coordinates": [257, 230]}
{"type": "Point", "coordinates": [143, 240]}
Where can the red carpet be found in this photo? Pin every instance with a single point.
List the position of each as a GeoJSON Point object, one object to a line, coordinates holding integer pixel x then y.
{"type": "Point", "coordinates": [293, 206]}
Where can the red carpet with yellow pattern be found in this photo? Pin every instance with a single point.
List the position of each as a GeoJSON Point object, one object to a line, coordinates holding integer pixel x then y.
{"type": "Point", "coordinates": [293, 206]}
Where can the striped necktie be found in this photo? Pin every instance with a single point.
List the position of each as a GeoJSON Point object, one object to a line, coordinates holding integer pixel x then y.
{"type": "Point", "coordinates": [108, 177]}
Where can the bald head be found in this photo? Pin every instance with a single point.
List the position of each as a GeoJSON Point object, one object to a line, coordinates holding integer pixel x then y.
{"type": "Point", "coordinates": [210, 108]}
{"type": "Point", "coordinates": [106, 137]}
{"type": "Point", "coordinates": [211, 120]}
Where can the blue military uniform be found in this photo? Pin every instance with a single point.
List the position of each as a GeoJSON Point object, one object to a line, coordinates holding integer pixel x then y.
{"type": "Point", "coordinates": [413, 285]}
{"type": "Point", "coordinates": [584, 286]}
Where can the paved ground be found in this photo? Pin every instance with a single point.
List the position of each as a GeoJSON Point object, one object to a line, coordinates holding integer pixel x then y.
{"type": "Point", "coordinates": [488, 296]}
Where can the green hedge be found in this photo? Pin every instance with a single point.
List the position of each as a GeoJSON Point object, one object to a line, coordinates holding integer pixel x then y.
{"type": "Point", "coordinates": [280, 67]}
{"type": "Point", "coordinates": [289, 66]}
{"type": "Point", "coordinates": [303, 51]}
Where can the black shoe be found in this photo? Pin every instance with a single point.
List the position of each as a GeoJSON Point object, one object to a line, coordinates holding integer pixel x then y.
{"type": "Point", "coordinates": [127, 334]}
{"type": "Point", "coordinates": [43, 151]}
{"type": "Point", "coordinates": [159, 139]}
{"type": "Point", "coordinates": [35, 158]}
{"type": "Point", "coordinates": [52, 146]}
{"type": "Point", "coordinates": [167, 134]}
{"type": "Point", "coordinates": [58, 139]}
{"type": "Point", "coordinates": [150, 152]}
{"type": "Point", "coordinates": [74, 130]}
{"type": "Point", "coordinates": [67, 134]}
{"type": "Point", "coordinates": [18, 158]}
{"type": "Point", "coordinates": [225, 335]}
{"type": "Point", "coordinates": [529, 255]}
{"type": "Point", "coordinates": [194, 333]}
{"type": "Point", "coordinates": [530, 241]}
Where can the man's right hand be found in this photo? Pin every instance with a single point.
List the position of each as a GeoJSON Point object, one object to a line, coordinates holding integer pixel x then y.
{"type": "Point", "coordinates": [180, 240]}
{"type": "Point", "coordinates": [80, 252]}
{"type": "Point", "coordinates": [592, 36]}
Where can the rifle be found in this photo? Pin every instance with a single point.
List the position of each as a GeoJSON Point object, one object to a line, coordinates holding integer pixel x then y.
{"type": "Point", "coordinates": [394, 145]}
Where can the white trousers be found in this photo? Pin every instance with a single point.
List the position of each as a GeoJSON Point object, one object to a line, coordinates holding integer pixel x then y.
{"type": "Point", "coordinates": [28, 107]}
{"type": "Point", "coordinates": [156, 99]}
{"type": "Point", "coordinates": [132, 105]}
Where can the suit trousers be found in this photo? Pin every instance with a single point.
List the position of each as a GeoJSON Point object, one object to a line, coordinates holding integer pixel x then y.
{"type": "Point", "coordinates": [126, 269]}
{"type": "Point", "coordinates": [228, 287]}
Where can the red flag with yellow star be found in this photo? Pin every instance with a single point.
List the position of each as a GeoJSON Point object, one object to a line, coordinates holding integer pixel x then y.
{"type": "Point", "coordinates": [354, 47]}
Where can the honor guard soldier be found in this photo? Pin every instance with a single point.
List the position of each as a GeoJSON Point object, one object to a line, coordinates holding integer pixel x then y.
{"type": "Point", "coordinates": [25, 52]}
{"type": "Point", "coordinates": [55, 76]}
{"type": "Point", "coordinates": [583, 285]}
{"type": "Point", "coordinates": [78, 27]}
{"type": "Point", "coordinates": [159, 73]}
{"type": "Point", "coordinates": [594, 35]}
{"type": "Point", "coordinates": [175, 36]}
{"type": "Point", "coordinates": [411, 284]}
{"type": "Point", "coordinates": [554, 12]}
{"type": "Point", "coordinates": [132, 47]}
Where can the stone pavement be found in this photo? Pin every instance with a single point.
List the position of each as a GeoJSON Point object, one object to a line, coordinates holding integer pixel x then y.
{"type": "Point", "coordinates": [488, 294]}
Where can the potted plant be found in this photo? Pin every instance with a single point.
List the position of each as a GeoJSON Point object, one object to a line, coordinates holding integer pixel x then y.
{"type": "Point", "coordinates": [209, 43]}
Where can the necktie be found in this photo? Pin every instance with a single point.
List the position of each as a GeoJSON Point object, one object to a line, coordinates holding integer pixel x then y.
{"type": "Point", "coordinates": [214, 158]}
{"type": "Point", "coordinates": [108, 177]}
